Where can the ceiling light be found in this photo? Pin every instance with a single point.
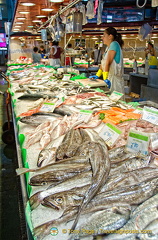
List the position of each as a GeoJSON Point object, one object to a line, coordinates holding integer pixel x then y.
{"type": "Point", "coordinates": [38, 39]}
{"type": "Point", "coordinates": [41, 16]}
{"type": "Point", "coordinates": [16, 30]}
{"type": "Point", "coordinates": [36, 21]}
{"type": "Point", "coordinates": [24, 12]}
{"type": "Point", "coordinates": [21, 18]}
{"type": "Point", "coordinates": [56, 1]}
{"type": "Point", "coordinates": [28, 4]}
{"type": "Point", "coordinates": [47, 9]}
{"type": "Point", "coordinates": [17, 26]}
{"type": "Point", "coordinates": [19, 23]}
{"type": "Point", "coordinates": [30, 26]}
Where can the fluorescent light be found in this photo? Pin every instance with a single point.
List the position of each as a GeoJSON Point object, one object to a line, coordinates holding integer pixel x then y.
{"type": "Point", "coordinates": [56, 1]}
{"type": "Point", "coordinates": [28, 4]}
{"type": "Point", "coordinates": [21, 18]}
{"type": "Point", "coordinates": [19, 23]}
{"type": "Point", "coordinates": [24, 12]}
{"type": "Point", "coordinates": [41, 16]}
{"type": "Point", "coordinates": [16, 30]}
{"type": "Point", "coordinates": [30, 26]}
{"type": "Point", "coordinates": [47, 9]}
{"type": "Point", "coordinates": [36, 21]}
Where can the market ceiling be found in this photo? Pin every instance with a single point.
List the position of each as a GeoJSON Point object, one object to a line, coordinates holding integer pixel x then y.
{"type": "Point", "coordinates": [32, 17]}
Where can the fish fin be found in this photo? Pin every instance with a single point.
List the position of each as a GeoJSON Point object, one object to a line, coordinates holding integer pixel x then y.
{"type": "Point", "coordinates": [20, 171]}
{"type": "Point", "coordinates": [35, 200]}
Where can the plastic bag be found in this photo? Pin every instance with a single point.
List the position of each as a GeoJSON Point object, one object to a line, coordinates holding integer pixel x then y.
{"type": "Point", "coordinates": [90, 9]}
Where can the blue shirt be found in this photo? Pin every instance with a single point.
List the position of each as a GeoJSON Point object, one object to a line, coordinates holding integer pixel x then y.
{"type": "Point", "coordinates": [116, 47]}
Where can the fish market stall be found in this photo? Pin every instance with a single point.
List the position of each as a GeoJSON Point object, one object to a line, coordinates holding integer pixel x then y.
{"type": "Point", "coordinates": [90, 160]}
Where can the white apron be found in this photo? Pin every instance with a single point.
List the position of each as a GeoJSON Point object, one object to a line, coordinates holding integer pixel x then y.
{"type": "Point", "coordinates": [115, 73]}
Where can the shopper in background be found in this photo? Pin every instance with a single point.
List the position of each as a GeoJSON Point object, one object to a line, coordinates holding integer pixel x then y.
{"type": "Point", "coordinates": [96, 55]}
{"type": "Point", "coordinates": [69, 60]}
{"type": "Point", "coordinates": [36, 56]}
{"type": "Point", "coordinates": [111, 68]}
{"type": "Point", "coordinates": [55, 54]}
{"type": "Point", "coordinates": [150, 55]}
{"type": "Point", "coordinates": [42, 51]}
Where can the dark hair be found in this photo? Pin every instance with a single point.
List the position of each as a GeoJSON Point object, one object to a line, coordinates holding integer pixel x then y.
{"type": "Point", "coordinates": [117, 36]}
{"type": "Point", "coordinates": [55, 43]}
{"type": "Point", "coordinates": [35, 49]}
{"type": "Point", "coordinates": [150, 44]}
{"type": "Point", "coordinates": [42, 46]}
{"type": "Point", "coordinates": [69, 45]}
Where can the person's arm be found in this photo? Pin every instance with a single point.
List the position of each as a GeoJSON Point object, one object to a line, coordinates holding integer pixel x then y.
{"type": "Point", "coordinates": [110, 58]}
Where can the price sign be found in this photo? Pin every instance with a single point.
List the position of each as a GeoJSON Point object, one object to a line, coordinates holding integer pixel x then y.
{"type": "Point", "coordinates": [110, 134]}
{"type": "Point", "coordinates": [150, 115]}
{"type": "Point", "coordinates": [66, 77]}
{"type": "Point", "coordinates": [138, 110]}
{"type": "Point", "coordinates": [85, 115]}
{"type": "Point", "coordinates": [115, 96]}
{"type": "Point", "coordinates": [138, 142]}
{"type": "Point", "coordinates": [48, 107]}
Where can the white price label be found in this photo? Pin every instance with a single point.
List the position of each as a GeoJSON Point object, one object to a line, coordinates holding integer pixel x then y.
{"type": "Point", "coordinates": [150, 115]}
{"type": "Point", "coordinates": [60, 101]}
{"type": "Point", "coordinates": [110, 134]}
{"type": "Point", "coordinates": [138, 142]}
{"type": "Point", "coordinates": [138, 110]}
{"type": "Point", "coordinates": [48, 107]}
{"type": "Point", "coordinates": [85, 115]}
{"type": "Point", "coordinates": [66, 77]}
{"type": "Point", "coordinates": [115, 96]}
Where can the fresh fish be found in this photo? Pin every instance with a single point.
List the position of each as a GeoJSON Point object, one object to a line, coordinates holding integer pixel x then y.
{"type": "Point", "coordinates": [81, 179]}
{"type": "Point", "coordinates": [35, 96]}
{"type": "Point", "coordinates": [131, 195]}
{"type": "Point", "coordinates": [57, 176]}
{"type": "Point", "coordinates": [38, 118]}
{"type": "Point", "coordinates": [136, 224]}
{"type": "Point", "coordinates": [150, 232]}
{"type": "Point", "coordinates": [63, 110]}
{"type": "Point", "coordinates": [100, 163]}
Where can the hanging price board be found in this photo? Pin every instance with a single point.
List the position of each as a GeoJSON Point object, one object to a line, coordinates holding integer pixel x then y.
{"type": "Point", "coordinates": [110, 134]}
{"type": "Point", "coordinates": [150, 115]}
{"type": "Point", "coordinates": [115, 96]}
{"type": "Point", "coordinates": [138, 142]}
{"type": "Point", "coordinates": [85, 115]}
{"type": "Point", "coordinates": [48, 107]}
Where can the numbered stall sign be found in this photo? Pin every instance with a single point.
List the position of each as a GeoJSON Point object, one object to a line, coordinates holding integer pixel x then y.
{"type": "Point", "coordinates": [47, 107]}
{"type": "Point", "coordinates": [150, 115]}
{"type": "Point", "coordinates": [137, 142]}
{"type": "Point", "coordinates": [110, 134]}
{"type": "Point", "coordinates": [85, 115]}
{"type": "Point", "coordinates": [115, 96]}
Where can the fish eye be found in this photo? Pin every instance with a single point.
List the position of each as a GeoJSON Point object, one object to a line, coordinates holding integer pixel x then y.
{"type": "Point", "coordinates": [43, 183]}
{"type": "Point", "coordinates": [59, 200]}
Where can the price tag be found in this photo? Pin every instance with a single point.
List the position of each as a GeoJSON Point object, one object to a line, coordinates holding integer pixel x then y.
{"type": "Point", "coordinates": [138, 110]}
{"type": "Point", "coordinates": [154, 141]}
{"type": "Point", "coordinates": [48, 107]}
{"type": "Point", "coordinates": [138, 142]}
{"type": "Point", "coordinates": [115, 96]}
{"type": "Point", "coordinates": [150, 115]}
{"type": "Point", "coordinates": [60, 101]}
{"type": "Point", "coordinates": [110, 134]}
{"type": "Point", "coordinates": [85, 115]}
{"type": "Point", "coordinates": [66, 77]}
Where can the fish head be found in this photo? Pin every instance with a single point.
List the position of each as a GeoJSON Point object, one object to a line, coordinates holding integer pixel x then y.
{"type": "Point", "coordinates": [38, 180]}
{"type": "Point", "coordinates": [63, 200]}
{"type": "Point", "coordinates": [45, 155]}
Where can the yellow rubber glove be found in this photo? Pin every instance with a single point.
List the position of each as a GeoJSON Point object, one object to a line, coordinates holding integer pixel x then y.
{"type": "Point", "coordinates": [99, 73]}
{"type": "Point", "coordinates": [105, 75]}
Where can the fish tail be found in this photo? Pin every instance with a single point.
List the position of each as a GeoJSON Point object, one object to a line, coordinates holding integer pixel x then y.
{"type": "Point", "coordinates": [77, 216]}
{"type": "Point", "coordinates": [35, 200]}
{"type": "Point", "coordinates": [20, 171]}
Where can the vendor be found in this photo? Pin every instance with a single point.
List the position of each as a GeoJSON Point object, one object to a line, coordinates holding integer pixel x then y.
{"type": "Point", "coordinates": [55, 54]}
{"type": "Point", "coordinates": [111, 68]}
{"type": "Point", "coordinates": [150, 55]}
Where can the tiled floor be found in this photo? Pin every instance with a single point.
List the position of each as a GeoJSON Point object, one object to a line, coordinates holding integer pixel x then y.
{"type": "Point", "coordinates": [10, 201]}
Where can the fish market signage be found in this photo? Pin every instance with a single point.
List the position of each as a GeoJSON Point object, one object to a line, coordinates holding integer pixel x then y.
{"type": "Point", "coordinates": [150, 114]}
{"type": "Point", "coordinates": [138, 142]}
{"type": "Point", "coordinates": [110, 134]}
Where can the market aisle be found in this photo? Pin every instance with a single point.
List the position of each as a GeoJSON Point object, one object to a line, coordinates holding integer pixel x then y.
{"type": "Point", "coordinates": [9, 206]}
